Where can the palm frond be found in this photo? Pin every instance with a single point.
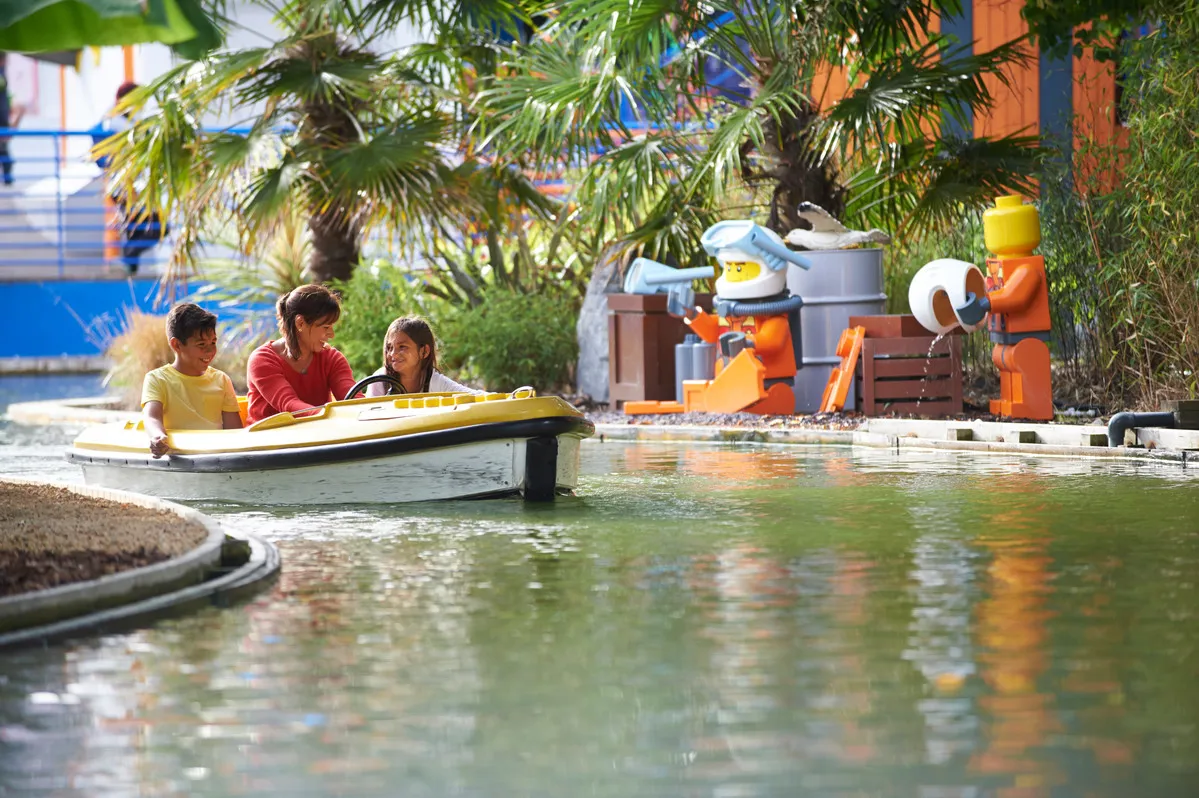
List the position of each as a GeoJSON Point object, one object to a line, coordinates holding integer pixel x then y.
{"type": "Point", "coordinates": [399, 163]}
{"type": "Point", "coordinates": [310, 75]}
{"type": "Point", "coordinates": [924, 187]}
{"type": "Point", "coordinates": [880, 28]}
{"type": "Point", "coordinates": [907, 95]}
{"type": "Point", "coordinates": [556, 101]}
{"type": "Point", "coordinates": [638, 31]}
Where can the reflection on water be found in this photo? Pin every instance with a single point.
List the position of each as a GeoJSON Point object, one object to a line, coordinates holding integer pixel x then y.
{"type": "Point", "coordinates": [699, 621]}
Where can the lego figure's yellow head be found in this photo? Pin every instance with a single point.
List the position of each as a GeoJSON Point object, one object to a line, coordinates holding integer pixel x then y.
{"type": "Point", "coordinates": [753, 260]}
{"type": "Point", "coordinates": [745, 276]}
{"type": "Point", "coordinates": [1011, 229]}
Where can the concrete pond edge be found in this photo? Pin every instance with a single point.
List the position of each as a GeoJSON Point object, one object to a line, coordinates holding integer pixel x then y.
{"type": "Point", "coordinates": [886, 440]}
{"type": "Point", "coordinates": [1002, 437]}
{"type": "Point", "coordinates": [137, 596]}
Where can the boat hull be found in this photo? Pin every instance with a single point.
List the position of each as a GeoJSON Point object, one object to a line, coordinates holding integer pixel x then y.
{"type": "Point", "coordinates": [537, 457]}
{"type": "Point", "coordinates": [471, 470]}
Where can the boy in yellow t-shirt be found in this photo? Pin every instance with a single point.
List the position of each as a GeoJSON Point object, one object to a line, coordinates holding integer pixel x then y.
{"type": "Point", "coordinates": [189, 393]}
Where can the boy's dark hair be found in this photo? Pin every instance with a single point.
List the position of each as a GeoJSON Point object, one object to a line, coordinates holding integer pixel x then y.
{"type": "Point", "coordinates": [313, 302]}
{"type": "Point", "coordinates": [186, 319]}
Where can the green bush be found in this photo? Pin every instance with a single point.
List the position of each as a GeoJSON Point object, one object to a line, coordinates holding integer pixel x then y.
{"type": "Point", "coordinates": [513, 339]}
{"type": "Point", "coordinates": [370, 300]}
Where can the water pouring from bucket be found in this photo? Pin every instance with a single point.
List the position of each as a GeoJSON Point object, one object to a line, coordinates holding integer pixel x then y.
{"type": "Point", "coordinates": [939, 292]}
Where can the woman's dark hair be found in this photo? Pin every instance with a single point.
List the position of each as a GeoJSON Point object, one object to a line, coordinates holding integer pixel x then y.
{"type": "Point", "coordinates": [314, 303]}
{"type": "Point", "coordinates": [421, 334]}
{"type": "Point", "coordinates": [186, 320]}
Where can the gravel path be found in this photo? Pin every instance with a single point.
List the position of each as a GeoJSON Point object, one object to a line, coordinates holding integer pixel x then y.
{"type": "Point", "coordinates": [51, 536]}
{"type": "Point", "coordinates": [836, 421]}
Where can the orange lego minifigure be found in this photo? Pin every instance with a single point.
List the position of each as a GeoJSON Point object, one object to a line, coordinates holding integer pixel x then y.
{"type": "Point", "coordinates": [755, 321]}
{"type": "Point", "coordinates": [1018, 300]}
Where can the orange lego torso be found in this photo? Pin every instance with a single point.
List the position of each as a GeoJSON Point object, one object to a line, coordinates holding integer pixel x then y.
{"type": "Point", "coordinates": [1019, 294]}
{"type": "Point", "coordinates": [771, 336]}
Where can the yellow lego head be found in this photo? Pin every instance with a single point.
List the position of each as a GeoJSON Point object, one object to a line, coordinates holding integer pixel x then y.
{"type": "Point", "coordinates": [740, 271]}
{"type": "Point", "coordinates": [744, 276]}
{"type": "Point", "coordinates": [1011, 229]}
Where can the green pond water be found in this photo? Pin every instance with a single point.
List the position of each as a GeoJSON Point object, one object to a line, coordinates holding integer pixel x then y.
{"type": "Point", "coordinates": [699, 621]}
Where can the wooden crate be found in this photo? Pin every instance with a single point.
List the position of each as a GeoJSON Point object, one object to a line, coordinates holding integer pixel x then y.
{"type": "Point", "coordinates": [911, 376]}
{"type": "Point", "coordinates": [641, 341]}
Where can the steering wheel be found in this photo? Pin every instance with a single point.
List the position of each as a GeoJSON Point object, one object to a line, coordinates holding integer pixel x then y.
{"type": "Point", "coordinates": [371, 380]}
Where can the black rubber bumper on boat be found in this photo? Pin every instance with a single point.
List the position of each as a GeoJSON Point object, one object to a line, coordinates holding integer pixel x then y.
{"type": "Point", "coordinates": [536, 428]}
{"type": "Point", "coordinates": [541, 469]}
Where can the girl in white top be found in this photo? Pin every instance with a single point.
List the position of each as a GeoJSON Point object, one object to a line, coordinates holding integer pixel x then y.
{"type": "Point", "coordinates": [410, 355]}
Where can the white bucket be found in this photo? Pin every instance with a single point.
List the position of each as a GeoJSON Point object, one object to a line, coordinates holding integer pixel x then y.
{"type": "Point", "coordinates": [939, 287]}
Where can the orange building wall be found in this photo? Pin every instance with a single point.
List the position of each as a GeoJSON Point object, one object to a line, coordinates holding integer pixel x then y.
{"type": "Point", "coordinates": [1017, 109]}
{"type": "Point", "coordinates": [1095, 125]}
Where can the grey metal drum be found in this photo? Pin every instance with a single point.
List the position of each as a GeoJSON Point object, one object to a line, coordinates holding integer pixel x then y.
{"type": "Point", "coordinates": [840, 284]}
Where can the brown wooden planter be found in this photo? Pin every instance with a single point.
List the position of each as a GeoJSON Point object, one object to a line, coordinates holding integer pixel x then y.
{"type": "Point", "coordinates": [641, 341]}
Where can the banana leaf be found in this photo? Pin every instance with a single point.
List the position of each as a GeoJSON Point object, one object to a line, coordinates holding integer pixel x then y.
{"type": "Point", "coordinates": [35, 26]}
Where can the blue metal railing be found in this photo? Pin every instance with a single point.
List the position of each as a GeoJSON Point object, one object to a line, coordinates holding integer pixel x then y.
{"type": "Point", "coordinates": [57, 220]}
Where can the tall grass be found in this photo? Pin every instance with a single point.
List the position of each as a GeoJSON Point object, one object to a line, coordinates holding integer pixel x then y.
{"type": "Point", "coordinates": [1123, 258]}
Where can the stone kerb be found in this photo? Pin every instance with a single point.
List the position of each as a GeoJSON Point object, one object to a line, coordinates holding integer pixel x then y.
{"type": "Point", "coordinates": [41, 607]}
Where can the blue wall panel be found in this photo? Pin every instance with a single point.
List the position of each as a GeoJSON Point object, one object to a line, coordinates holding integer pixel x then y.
{"type": "Point", "coordinates": [962, 29]}
{"type": "Point", "coordinates": [74, 317]}
{"type": "Point", "coordinates": [1057, 101]}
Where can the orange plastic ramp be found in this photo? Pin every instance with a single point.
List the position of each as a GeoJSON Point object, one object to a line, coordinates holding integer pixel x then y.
{"type": "Point", "coordinates": [649, 408]}
{"type": "Point", "coordinates": [779, 401]}
{"type": "Point", "coordinates": [693, 395]}
{"type": "Point", "coordinates": [738, 385]}
{"type": "Point", "coordinates": [849, 348]}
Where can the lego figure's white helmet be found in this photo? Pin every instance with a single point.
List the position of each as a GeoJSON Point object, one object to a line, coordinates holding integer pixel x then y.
{"type": "Point", "coordinates": [753, 259]}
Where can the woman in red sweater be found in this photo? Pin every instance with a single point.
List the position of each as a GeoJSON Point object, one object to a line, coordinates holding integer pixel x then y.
{"type": "Point", "coordinates": [300, 371]}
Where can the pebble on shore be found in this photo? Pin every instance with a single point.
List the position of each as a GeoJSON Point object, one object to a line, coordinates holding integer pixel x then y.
{"type": "Point", "coordinates": [51, 536]}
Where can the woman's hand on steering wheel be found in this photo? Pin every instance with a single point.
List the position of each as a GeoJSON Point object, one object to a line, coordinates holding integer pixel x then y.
{"type": "Point", "coordinates": [371, 380]}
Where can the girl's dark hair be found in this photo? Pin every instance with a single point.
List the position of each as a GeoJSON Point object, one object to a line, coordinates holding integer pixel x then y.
{"type": "Point", "coordinates": [313, 302]}
{"type": "Point", "coordinates": [421, 334]}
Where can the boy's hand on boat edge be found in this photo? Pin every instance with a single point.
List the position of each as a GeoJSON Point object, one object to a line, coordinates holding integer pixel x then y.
{"type": "Point", "coordinates": [158, 445]}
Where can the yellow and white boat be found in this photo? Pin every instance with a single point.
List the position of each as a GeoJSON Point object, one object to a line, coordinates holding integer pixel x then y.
{"type": "Point", "coordinates": [415, 447]}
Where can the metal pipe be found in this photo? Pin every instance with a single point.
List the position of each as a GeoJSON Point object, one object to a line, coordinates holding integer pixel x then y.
{"type": "Point", "coordinates": [1122, 422]}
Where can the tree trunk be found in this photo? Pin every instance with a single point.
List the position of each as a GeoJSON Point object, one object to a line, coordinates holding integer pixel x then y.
{"type": "Point", "coordinates": [330, 126]}
{"type": "Point", "coordinates": [335, 247]}
{"type": "Point", "coordinates": [795, 173]}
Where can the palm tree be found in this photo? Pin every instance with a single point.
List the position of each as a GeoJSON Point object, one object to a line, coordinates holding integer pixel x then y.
{"type": "Point", "coordinates": [631, 80]}
{"type": "Point", "coordinates": [349, 135]}
{"type": "Point", "coordinates": [515, 233]}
